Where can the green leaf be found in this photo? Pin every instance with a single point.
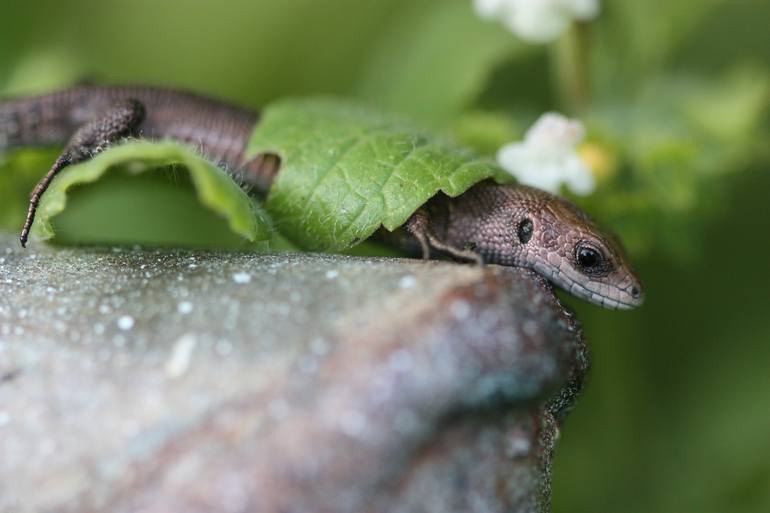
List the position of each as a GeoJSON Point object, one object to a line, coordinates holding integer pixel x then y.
{"type": "Point", "coordinates": [214, 188]}
{"type": "Point", "coordinates": [346, 170]}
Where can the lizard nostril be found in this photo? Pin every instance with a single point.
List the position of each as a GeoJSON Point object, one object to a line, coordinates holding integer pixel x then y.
{"type": "Point", "coordinates": [635, 291]}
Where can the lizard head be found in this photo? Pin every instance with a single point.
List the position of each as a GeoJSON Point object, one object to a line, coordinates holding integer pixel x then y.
{"type": "Point", "coordinates": [562, 243]}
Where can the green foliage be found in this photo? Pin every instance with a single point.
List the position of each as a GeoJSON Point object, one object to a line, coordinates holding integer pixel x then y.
{"type": "Point", "coordinates": [629, 47]}
{"type": "Point", "coordinates": [214, 188]}
{"type": "Point", "coordinates": [674, 137]}
{"type": "Point", "coordinates": [432, 62]}
{"type": "Point", "coordinates": [346, 170]}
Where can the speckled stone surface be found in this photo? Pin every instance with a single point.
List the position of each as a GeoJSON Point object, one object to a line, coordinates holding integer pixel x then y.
{"type": "Point", "coordinates": [169, 381]}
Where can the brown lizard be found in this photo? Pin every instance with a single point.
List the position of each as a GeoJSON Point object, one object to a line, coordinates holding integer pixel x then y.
{"type": "Point", "coordinates": [507, 224]}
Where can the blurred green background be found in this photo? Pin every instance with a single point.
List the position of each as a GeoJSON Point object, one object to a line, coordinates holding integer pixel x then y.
{"type": "Point", "coordinates": [676, 415]}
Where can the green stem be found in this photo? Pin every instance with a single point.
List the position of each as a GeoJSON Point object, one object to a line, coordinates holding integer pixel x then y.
{"type": "Point", "coordinates": [570, 68]}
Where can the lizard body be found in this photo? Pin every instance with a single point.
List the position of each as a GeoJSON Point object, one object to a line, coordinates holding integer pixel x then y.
{"type": "Point", "coordinates": [502, 224]}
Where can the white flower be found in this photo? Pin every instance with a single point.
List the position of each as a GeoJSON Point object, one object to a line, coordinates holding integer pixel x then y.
{"type": "Point", "coordinates": [537, 21]}
{"type": "Point", "coordinates": [546, 158]}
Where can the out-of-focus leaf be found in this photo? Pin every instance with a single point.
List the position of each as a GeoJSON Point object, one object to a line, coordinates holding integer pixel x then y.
{"type": "Point", "coordinates": [635, 38]}
{"type": "Point", "coordinates": [346, 170]}
{"type": "Point", "coordinates": [732, 32]}
{"type": "Point", "coordinates": [485, 132]}
{"type": "Point", "coordinates": [214, 188]}
{"type": "Point", "coordinates": [42, 71]}
{"type": "Point", "coordinates": [434, 59]}
{"type": "Point", "coordinates": [729, 109]}
{"type": "Point", "coordinates": [19, 172]}
{"type": "Point", "coordinates": [278, 47]}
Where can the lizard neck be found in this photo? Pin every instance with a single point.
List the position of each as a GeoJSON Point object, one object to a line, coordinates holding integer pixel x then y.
{"type": "Point", "coordinates": [477, 220]}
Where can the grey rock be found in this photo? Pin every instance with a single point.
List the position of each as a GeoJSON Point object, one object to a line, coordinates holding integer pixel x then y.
{"type": "Point", "coordinates": [169, 381]}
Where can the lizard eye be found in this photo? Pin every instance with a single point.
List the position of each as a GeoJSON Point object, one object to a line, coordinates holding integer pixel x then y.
{"type": "Point", "coordinates": [590, 260]}
{"type": "Point", "coordinates": [524, 230]}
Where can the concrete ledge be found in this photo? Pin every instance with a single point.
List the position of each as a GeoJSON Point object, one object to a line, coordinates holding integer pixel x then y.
{"type": "Point", "coordinates": [169, 381]}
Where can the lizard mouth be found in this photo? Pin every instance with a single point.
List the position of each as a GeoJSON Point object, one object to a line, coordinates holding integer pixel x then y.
{"type": "Point", "coordinates": [611, 297]}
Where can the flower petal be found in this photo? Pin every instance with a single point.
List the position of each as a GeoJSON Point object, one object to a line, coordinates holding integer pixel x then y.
{"type": "Point", "coordinates": [537, 21]}
{"type": "Point", "coordinates": [547, 158]}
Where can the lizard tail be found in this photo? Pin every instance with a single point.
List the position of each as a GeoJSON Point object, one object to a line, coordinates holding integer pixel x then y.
{"type": "Point", "coordinates": [44, 120]}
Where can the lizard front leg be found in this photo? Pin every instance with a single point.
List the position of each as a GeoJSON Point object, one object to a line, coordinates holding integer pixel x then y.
{"type": "Point", "coordinates": [419, 226]}
{"type": "Point", "coordinates": [119, 121]}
